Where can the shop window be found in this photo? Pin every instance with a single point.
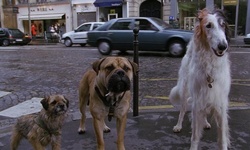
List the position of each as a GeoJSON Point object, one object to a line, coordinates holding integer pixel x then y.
{"type": "Point", "coordinates": [41, 1]}
{"type": "Point", "coordinates": [23, 1]}
{"type": "Point", "coordinates": [9, 2]}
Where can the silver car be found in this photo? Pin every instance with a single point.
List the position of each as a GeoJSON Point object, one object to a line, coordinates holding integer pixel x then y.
{"type": "Point", "coordinates": [79, 35]}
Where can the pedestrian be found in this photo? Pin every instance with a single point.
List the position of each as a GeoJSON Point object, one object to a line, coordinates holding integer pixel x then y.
{"type": "Point", "coordinates": [62, 29]}
{"type": "Point", "coordinates": [33, 30]}
{"type": "Point", "coordinates": [52, 29]}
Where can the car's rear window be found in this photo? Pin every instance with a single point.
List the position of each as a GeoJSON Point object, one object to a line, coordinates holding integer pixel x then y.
{"type": "Point", "coordinates": [105, 25]}
{"type": "Point", "coordinates": [15, 32]}
{"type": "Point", "coordinates": [2, 31]}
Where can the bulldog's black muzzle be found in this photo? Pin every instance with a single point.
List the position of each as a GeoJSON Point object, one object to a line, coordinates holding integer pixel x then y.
{"type": "Point", "coordinates": [119, 82]}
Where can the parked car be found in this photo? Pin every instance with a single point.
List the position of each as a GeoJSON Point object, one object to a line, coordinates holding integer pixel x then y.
{"type": "Point", "coordinates": [247, 39]}
{"type": "Point", "coordinates": [10, 36]}
{"type": "Point", "coordinates": [154, 35]}
{"type": "Point", "coordinates": [79, 35]}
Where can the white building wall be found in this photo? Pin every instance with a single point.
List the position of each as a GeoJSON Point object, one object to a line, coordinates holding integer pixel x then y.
{"type": "Point", "coordinates": [51, 9]}
{"type": "Point", "coordinates": [80, 6]}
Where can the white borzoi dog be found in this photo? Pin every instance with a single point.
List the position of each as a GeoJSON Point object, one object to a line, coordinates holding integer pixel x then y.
{"type": "Point", "coordinates": [204, 78]}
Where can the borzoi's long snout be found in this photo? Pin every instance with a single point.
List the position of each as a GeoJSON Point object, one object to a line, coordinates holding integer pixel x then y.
{"type": "Point", "coordinates": [221, 48]}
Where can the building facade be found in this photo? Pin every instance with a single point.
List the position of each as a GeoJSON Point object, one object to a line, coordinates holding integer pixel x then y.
{"type": "Point", "coordinates": [83, 11]}
{"type": "Point", "coordinates": [44, 15]}
{"type": "Point", "coordinates": [106, 10]}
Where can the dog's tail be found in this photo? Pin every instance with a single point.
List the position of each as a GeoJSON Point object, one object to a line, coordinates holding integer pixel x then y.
{"type": "Point", "coordinates": [16, 137]}
{"type": "Point", "coordinates": [174, 97]}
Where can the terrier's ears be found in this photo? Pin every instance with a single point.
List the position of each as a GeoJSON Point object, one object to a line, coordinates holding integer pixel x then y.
{"type": "Point", "coordinates": [45, 103]}
{"type": "Point", "coordinates": [67, 101]}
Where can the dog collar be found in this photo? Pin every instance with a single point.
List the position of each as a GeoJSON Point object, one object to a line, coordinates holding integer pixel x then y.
{"type": "Point", "coordinates": [210, 80]}
{"type": "Point", "coordinates": [42, 125]}
{"type": "Point", "coordinates": [107, 102]}
{"type": "Point", "coordinates": [103, 98]}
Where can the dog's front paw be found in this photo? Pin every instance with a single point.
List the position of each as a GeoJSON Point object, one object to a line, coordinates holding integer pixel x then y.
{"type": "Point", "coordinates": [81, 131]}
{"type": "Point", "coordinates": [177, 129]}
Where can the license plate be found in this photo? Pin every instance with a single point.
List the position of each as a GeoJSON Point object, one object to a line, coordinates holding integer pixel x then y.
{"type": "Point", "coordinates": [19, 40]}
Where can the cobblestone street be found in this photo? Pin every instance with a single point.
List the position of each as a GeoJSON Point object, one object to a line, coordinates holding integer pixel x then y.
{"type": "Point", "coordinates": [31, 72]}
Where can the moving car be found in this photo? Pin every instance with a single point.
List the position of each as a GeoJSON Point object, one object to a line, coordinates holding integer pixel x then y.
{"type": "Point", "coordinates": [247, 39]}
{"type": "Point", "coordinates": [154, 35]}
{"type": "Point", "coordinates": [10, 36]}
{"type": "Point", "coordinates": [79, 35]}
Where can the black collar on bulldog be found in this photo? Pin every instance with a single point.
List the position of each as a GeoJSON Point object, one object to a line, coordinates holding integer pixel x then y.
{"type": "Point", "coordinates": [107, 101]}
{"type": "Point", "coordinates": [42, 125]}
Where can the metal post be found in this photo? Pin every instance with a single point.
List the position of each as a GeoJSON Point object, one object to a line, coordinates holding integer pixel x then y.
{"type": "Point", "coordinates": [247, 27]}
{"type": "Point", "coordinates": [136, 76]}
{"type": "Point", "coordinates": [29, 19]}
{"type": "Point", "coordinates": [236, 20]}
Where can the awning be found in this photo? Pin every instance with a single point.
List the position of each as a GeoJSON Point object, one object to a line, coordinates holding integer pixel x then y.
{"type": "Point", "coordinates": [108, 3]}
{"type": "Point", "coordinates": [41, 17]}
{"type": "Point", "coordinates": [82, 2]}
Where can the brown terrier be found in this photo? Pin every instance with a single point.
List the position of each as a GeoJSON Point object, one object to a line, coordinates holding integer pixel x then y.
{"type": "Point", "coordinates": [43, 128]}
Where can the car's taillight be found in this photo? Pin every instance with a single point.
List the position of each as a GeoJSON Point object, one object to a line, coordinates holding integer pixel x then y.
{"type": "Point", "coordinates": [27, 36]}
{"type": "Point", "coordinates": [10, 36]}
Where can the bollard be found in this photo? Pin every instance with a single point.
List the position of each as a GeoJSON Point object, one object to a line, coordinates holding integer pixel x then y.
{"type": "Point", "coordinates": [136, 76]}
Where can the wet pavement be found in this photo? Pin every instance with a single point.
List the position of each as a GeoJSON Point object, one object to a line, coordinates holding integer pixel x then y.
{"type": "Point", "coordinates": [151, 131]}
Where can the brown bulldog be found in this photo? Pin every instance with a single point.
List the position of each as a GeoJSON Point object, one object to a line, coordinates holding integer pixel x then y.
{"type": "Point", "coordinates": [107, 89]}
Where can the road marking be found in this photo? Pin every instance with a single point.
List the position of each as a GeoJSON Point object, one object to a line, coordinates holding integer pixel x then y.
{"type": "Point", "coordinates": [241, 84]}
{"type": "Point", "coordinates": [240, 80]}
{"type": "Point", "coordinates": [237, 104]}
{"type": "Point", "coordinates": [3, 93]}
{"type": "Point", "coordinates": [159, 79]}
{"type": "Point", "coordinates": [231, 104]}
{"type": "Point", "coordinates": [157, 97]}
{"type": "Point", "coordinates": [27, 107]}
{"type": "Point", "coordinates": [241, 52]}
{"type": "Point", "coordinates": [175, 79]}
{"type": "Point", "coordinates": [155, 107]}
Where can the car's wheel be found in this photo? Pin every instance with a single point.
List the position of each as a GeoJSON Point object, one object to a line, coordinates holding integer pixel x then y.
{"type": "Point", "coordinates": [83, 45]}
{"type": "Point", "coordinates": [68, 42]}
{"type": "Point", "coordinates": [104, 47]}
{"type": "Point", "coordinates": [176, 48]}
{"type": "Point", "coordinates": [6, 42]}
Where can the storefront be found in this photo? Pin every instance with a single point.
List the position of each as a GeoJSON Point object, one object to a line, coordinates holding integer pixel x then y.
{"type": "Point", "coordinates": [109, 9]}
{"type": "Point", "coordinates": [83, 11]}
{"type": "Point", "coordinates": [43, 16]}
{"type": "Point", "coordinates": [186, 10]}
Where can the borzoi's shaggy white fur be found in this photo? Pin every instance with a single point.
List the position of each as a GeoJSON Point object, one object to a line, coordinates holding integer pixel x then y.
{"type": "Point", "coordinates": [204, 78]}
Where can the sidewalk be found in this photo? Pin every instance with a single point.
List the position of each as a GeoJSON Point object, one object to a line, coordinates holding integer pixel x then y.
{"type": "Point", "coordinates": [235, 42]}
{"type": "Point", "coordinates": [238, 42]}
{"type": "Point", "coordinates": [150, 131]}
